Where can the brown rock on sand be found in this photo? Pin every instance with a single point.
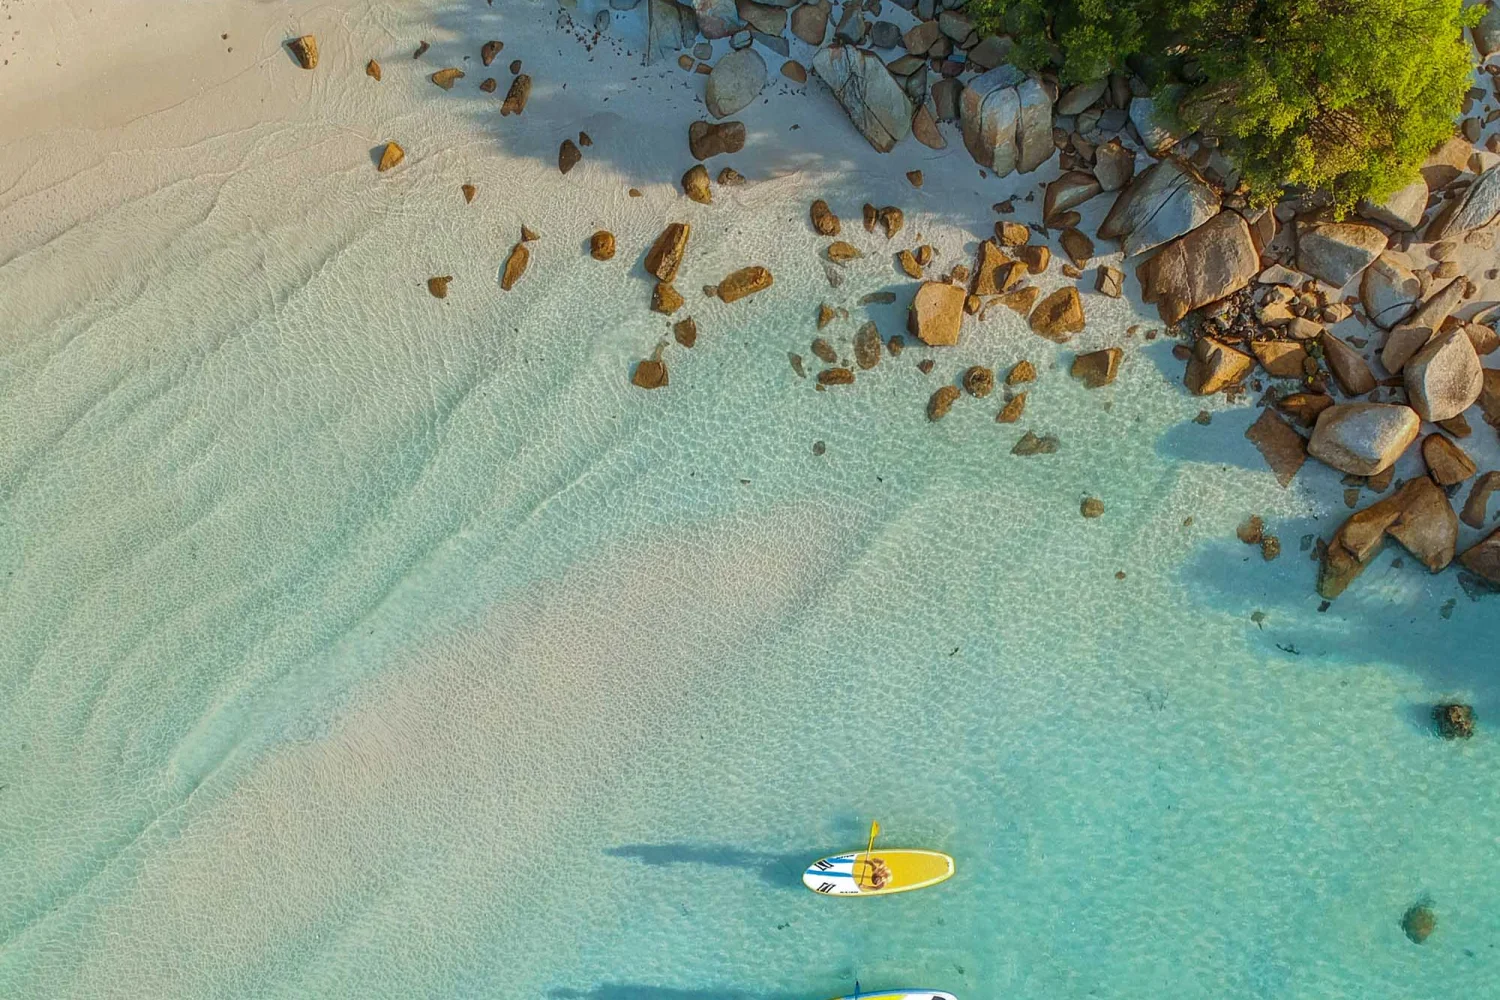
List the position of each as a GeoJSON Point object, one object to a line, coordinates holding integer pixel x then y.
{"type": "Point", "coordinates": [826, 315]}
{"type": "Point", "coordinates": [685, 332]}
{"type": "Point", "coordinates": [650, 373]}
{"type": "Point", "coordinates": [1021, 300]}
{"type": "Point", "coordinates": [745, 281]}
{"type": "Point", "coordinates": [421, 48]}
{"type": "Point", "coordinates": [978, 381]}
{"type": "Point", "coordinates": [666, 254]}
{"type": "Point", "coordinates": [1059, 316]}
{"type": "Point", "coordinates": [824, 222]}
{"type": "Point", "coordinates": [488, 85]}
{"type": "Point", "coordinates": [1447, 463]}
{"type": "Point", "coordinates": [515, 98]}
{"type": "Point", "coordinates": [1479, 499]}
{"type": "Point", "coordinates": [372, 70]}
{"type": "Point", "coordinates": [695, 185]}
{"type": "Point", "coordinates": [490, 50]}
{"type": "Point", "coordinates": [994, 272]}
{"type": "Point", "coordinates": [936, 314]}
{"type": "Point", "coordinates": [528, 235]}
{"type": "Point", "coordinates": [824, 352]}
{"type": "Point", "coordinates": [602, 245]}
{"type": "Point", "coordinates": [835, 376]}
{"type": "Point", "coordinates": [891, 220]}
{"type": "Point", "coordinates": [1012, 410]}
{"type": "Point", "coordinates": [305, 49]}
{"type": "Point", "coordinates": [469, 191]}
{"type": "Point", "coordinates": [438, 287]}
{"type": "Point", "coordinates": [1282, 447]}
{"type": "Point", "coordinates": [1418, 516]}
{"type": "Point", "coordinates": [393, 155]}
{"type": "Point", "coordinates": [908, 264]}
{"type": "Point", "coordinates": [941, 402]}
{"type": "Point", "coordinates": [709, 139]}
{"type": "Point", "coordinates": [1215, 366]}
{"type": "Point", "coordinates": [840, 252]}
{"type": "Point", "coordinates": [568, 155]}
{"type": "Point", "coordinates": [665, 299]}
{"type": "Point", "coordinates": [446, 78]}
{"type": "Point", "coordinates": [1024, 371]}
{"type": "Point", "coordinates": [515, 266]}
{"type": "Point", "coordinates": [1098, 368]}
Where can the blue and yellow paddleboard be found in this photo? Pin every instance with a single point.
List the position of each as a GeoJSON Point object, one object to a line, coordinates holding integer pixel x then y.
{"type": "Point", "coordinates": [849, 875]}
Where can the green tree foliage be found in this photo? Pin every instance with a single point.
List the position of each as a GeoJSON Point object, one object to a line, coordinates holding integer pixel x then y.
{"type": "Point", "coordinates": [1344, 96]}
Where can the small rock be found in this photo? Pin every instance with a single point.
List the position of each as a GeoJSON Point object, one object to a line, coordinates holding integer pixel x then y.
{"type": "Point", "coordinates": [840, 252]}
{"type": "Point", "coordinates": [745, 281]}
{"type": "Point", "coordinates": [666, 254]}
{"type": "Point", "coordinates": [1036, 256]}
{"type": "Point", "coordinates": [1059, 316]}
{"type": "Point", "coordinates": [1111, 282]}
{"type": "Point", "coordinates": [685, 332]}
{"type": "Point", "coordinates": [1097, 368]}
{"type": "Point", "coordinates": [372, 70]}
{"type": "Point", "coordinates": [1012, 410]}
{"type": "Point", "coordinates": [516, 97]}
{"type": "Point", "coordinates": [1024, 371]}
{"type": "Point", "coordinates": [1447, 463]}
{"type": "Point", "coordinates": [729, 177]}
{"type": "Point", "coordinates": [824, 351]}
{"type": "Point", "coordinates": [584, 139]}
{"type": "Point", "coordinates": [490, 50]}
{"type": "Point", "coordinates": [915, 177]}
{"type": "Point", "coordinates": [393, 155]}
{"type": "Point", "coordinates": [1270, 547]}
{"type": "Point", "coordinates": [870, 215]}
{"type": "Point", "coordinates": [978, 381]}
{"type": "Point", "coordinates": [568, 155]}
{"type": "Point", "coordinates": [421, 48]}
{"type": "Point", "coordinates": [908, 264]}
{"type": "Point", "coordinates": [529, 235]}
{"type": "Point", "coordinates": [736, 80]}
{"type": "Point", "coordinates": [1251, 530]}
{"type": "Point", "coordinates": [1091, 507]}
{"type": "Point", "coordinates": [446, 78]}
{"type": "Point", "coordinates": [709, 139]}
{"type": "Point", "coordinates": [665, 299]}
{"type": "Point", "coordinates": [695, 185]}
{"type": "Point", "coordinates": [438, 287]}
{"type": "Point", "coordinates": [515, 266]}
{"type": "Point", "coordinates": [891, 220]}
{"type": "Point", "coordinates": [650, 373]}
{"type": "Point", "coordinates": [794, 71]}
{"type": "Point", "coordinates": [1021, 300]}
{"type": "Point", "coordinates": [305, 49]}
{"type": "Point", "coordinates": [835, 376]}
{"type": "Point", "coordinates": [824, 222]}
{"type": "Point", "coordinates": [941, 402]}
{"type": "Point", "coordinates": [1078, 247]}
{"type": "Point", "coordinates": [1012, 234]}
{"type": "Point", "coordinates": [602, 245]}
{"type": "Point", "coordinates": [469, 191]}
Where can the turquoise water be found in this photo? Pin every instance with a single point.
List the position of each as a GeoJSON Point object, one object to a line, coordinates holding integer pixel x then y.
{"type": "Point", "coordinates": [357, 644]}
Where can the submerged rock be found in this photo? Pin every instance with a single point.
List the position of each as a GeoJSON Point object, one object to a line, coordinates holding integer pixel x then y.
{"type": "Point", "coordinates": [650, 373]}
{"type": "Point", "coordinates": [978, 381]}
{"type": "Point", "coordinates": [1097, 368]}
{"type": "Point", "coordinates": [709, 139]}
{"type": "Point", "coordinates": [372, 70]}
{"type": "Point", "coordinates": [1419, 922]}
{"type": "Point", "coordinates": [446, 78]}
{"type": "Point", "coordinates": [515, 266]}
{"type": "Point", "coordinates": [392, 156]}
{"type": "Point", "coordinates": [602, 245]}
{"type": "Point", "coordinates": [516, 97]}
{"type": "Point", "coordinates": [1059, 316]}
{"type": "Point", "coordinates": [867, 346]}
{"type": "Point", "coordinates": [568, 155]}
{"type": "Point", "coordinates": [665, 299]}
{"type": "Point", "coordinates": [824, 222]}
{"type": "Point", "coordinates": [1483, 559]}
{"type": "Point", "coordinates": [1012, 410]}
{"type": "Point", "coordinates": [941, 402]}
{"type": "Point", "coordinates": [490, 50]}
{"type": "Point", "coordinates": [1454, 722]}
{"type": "Point", "coordinates": [1033, 444]}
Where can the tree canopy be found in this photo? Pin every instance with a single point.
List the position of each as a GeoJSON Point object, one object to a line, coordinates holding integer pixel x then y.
{"type": "Point", "coordinates": [1344, 96]}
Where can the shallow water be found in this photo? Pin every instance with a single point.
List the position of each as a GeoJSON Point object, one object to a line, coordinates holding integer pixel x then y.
{"type": "Point", "coordinates": [354, 643]}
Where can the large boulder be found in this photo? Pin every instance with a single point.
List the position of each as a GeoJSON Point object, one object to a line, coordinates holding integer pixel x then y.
{"type": "Point", "coordinates": [1444, 378]}
{"type": "Point", "coordinates": [1034, 144]}
{"type": "Point", "coordinates": [1418, 516]}
{"type": "Point", "coordinates": [708, 139]}
{"type": "Point", "coordinates": [989, 111]}
{"type": "Point", "coordinates": [872, 98]}
{"type": "Point", "coordinates": [1402, 211]}
{"type": "Point", "coordinates": [1351, 370]}
{"type": "Point", "coordinates": [1166, 200]}
{"type": "Point", "coordinates": [1483, 559]}
{"type": "Point", "coordinates": [1389, 290]}
{"type": "Point", "coordinates": [1114, 165]}
{"type": "Point", "coordinates": [1214, 260]}
{"type": "Point", "coordinates": [1070, 190]}
{"type": "Point", "coordinates": [1155, 135]}
{"type": "Point", "coordinates": [717, 18]}
{"type": "Point", "coordinates": [1416, 330]}
{"type": "Point", "coordinates": [1336, 252]}
{"type": "Point", "coordinates": [736, 80]}
{"type": "Point", "coordinates": [766, 18]}
{"type": "Point", "coordinates": [1215, 366]}
{"type": "Point", "coordinates": [670, 28]}
{"type": "Point", "coordinates": [1447, 463]}
{"type": "Point", "coordinates": [1487, 32]}
{"type": "Point", "coordinates": [1363, 439]}
{"type": "Point", "coordinates": [1478, 206]}
{"type": "Point", "coordinates": [936, 313]}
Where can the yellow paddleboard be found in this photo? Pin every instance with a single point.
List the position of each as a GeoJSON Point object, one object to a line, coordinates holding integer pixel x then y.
{"type": "Point", "coordinates": [854, 874]}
